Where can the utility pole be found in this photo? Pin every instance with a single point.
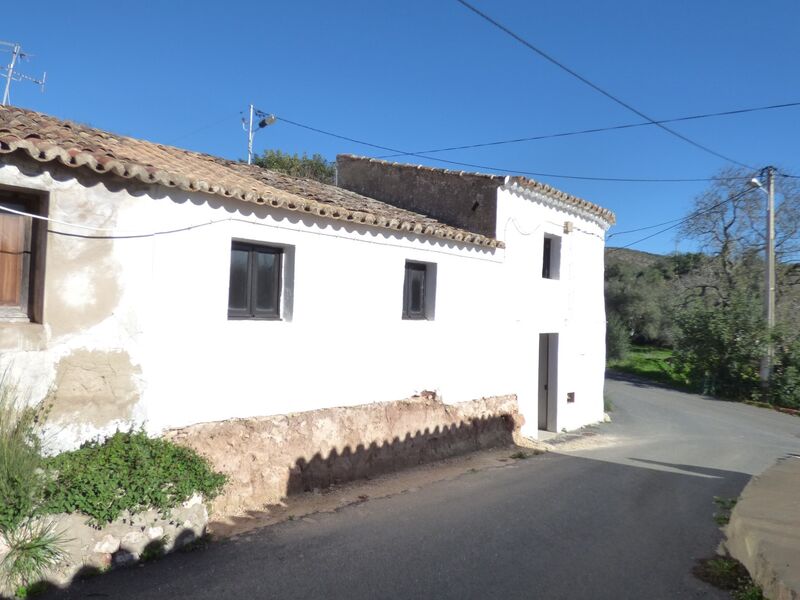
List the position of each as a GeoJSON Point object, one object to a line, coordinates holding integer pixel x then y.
{"type": "Point", "coordinates": [769, 280]}
{"type": "Point", "coordinates": [265, 121]}
{"type": "Point", "coordinates": [10, 75]}
{"type": "Point", "coordinates": [250, 138]}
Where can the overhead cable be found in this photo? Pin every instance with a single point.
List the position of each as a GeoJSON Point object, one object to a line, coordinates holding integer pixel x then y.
{"type": "Point", "coordinates": [597, 130]}
{"type": "Point", "coordinates": [502, 169]}
{"type": "Point", "coordinates": [680, 222]}
{"type": "Point", "coordinates": [597, 88]}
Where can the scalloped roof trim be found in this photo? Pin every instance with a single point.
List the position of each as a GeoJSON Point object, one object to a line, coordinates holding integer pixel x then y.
{"type": "Point", "coordinates": [523, 182]}
{"type": "Point", "coordinates": [47, 150]}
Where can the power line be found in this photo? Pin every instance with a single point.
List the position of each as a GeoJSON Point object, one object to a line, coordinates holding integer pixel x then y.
{"type": "Point", "coordinates": [679, 221]}
{"type": "Point", "coordinates": [503, 169]}
{"type": "Point", "coordinates": [598, 129]}
{"type": "Point", "coordinates": [596, 87]}
{"type": "Point", "coordinates": [610, 235]}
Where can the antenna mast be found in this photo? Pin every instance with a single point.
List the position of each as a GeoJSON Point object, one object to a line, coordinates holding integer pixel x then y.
{"type": "Point", "coordinates": [11, 75]}
{"type": "Point", "coordinates": [265, 120]}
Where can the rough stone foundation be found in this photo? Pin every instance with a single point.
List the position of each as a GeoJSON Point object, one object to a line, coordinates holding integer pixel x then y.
{"type": "Point", "coordinates": [269, 458]}
{"type": "Point", "coordinates": [127, 540]}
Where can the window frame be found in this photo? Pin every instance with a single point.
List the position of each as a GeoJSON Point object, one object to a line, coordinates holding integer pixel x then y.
{"type": "Point", "coordinates": [547, 257]}
{"type": "Point", "coordinates": [551, 256]}
{"type": "Point", "coordinates": [408, 313]}
{"type": "Point", "coordinates": [251, 312]}
{"type": "Point", "coordinates": [31, 283]}
{"type": "Point", "coordinates": [427, 291]}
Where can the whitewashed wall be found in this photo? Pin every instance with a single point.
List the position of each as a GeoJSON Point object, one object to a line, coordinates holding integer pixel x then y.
{"type": "Point", "coordinates": [345, 343]}
{"type": "Point", "coordinates": [571, 306]}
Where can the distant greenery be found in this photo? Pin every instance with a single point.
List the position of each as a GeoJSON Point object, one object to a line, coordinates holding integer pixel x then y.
{"type": "Point", "coordinates": [127, 471]}
{"type": "Point", "coordinates": [707, 307]}
{"type": "Point", "coordinates": [312, 167]}
{"type": "Point", "coordinates": [656, 364]}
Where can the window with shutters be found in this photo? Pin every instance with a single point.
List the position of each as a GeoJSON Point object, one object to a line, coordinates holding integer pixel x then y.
{"type": "Point", "coordinates": [21, 256]}
{"type": "Point", "coordinates": [255, 281]}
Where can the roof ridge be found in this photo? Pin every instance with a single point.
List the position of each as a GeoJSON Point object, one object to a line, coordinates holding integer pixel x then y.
{"type": "Point", "coordinates": [43, 138]}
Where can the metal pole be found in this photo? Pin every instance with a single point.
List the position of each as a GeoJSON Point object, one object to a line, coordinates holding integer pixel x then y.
{"type": "Point", "coordinates": [10, 74]}
{"type": "Point", "coordinates": [769, 281]}
{"type": "Point", "coordinates": [250, 139]}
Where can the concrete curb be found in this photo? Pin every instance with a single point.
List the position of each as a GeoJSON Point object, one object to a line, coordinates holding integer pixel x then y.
{"type": "Point", "coordinates": [764, 530]}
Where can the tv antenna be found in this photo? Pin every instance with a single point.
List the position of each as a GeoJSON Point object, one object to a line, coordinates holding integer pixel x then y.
{"type": "Point", "coordinates": [11, 74]}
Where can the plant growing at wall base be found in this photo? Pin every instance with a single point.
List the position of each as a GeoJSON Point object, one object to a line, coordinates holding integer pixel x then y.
{"type": "Point", "coordinates": [127, 471]}
{"type": "Point", "coordinates": [21, 473]}
{"type": "Point", "coordinates": [34, 547]}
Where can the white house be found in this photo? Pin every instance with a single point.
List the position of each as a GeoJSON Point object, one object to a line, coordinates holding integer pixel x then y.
{"type": "Point", "coordinates": [141, 283]}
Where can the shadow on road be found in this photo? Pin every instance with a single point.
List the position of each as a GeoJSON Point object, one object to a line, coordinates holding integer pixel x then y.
{"type": "Point", "coordinates": [562, 526]}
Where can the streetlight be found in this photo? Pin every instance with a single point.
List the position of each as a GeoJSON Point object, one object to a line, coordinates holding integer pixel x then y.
{"type": "Point", "coordinates": [266, 121]}
{"type": "Point", "coordinates": [769, 280]}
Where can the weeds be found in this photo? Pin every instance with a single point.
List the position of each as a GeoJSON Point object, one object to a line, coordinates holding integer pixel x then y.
{"type": "Point", "coordinates": [34, 547]}
{"type": "Point", "coordinates": [155, 549]}
{"type": "Point", "coordinates": [522, 455]}
{"type": "Point", "coordinates": [127, 471]}
{"type": "Point", "coordinates": [726, 506]}
{"type": "Point", "coordinates": [729, 574]}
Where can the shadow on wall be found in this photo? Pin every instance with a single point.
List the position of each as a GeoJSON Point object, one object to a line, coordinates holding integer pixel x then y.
{"type": "Point", "coordinates": [424, 446]}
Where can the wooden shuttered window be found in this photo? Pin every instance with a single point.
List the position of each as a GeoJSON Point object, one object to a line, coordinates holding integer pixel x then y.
{"type": "Point", "coordinates": [22, 248]}
{"type": "Point", "coordinates": [15, 253]}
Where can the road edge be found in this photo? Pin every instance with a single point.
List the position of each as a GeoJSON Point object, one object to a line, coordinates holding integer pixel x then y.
{"type": "Point", "coordinates": [764, 530]}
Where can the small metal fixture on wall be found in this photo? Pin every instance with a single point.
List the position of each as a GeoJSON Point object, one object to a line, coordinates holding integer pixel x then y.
{"type": "Point", "coordinates": [568, 226]}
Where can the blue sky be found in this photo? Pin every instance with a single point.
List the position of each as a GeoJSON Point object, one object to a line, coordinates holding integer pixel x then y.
{"type": "Point", "coordinates": [422, 74]}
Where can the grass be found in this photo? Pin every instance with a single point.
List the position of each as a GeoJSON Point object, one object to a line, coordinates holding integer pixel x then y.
{"type": "Point", "coordinates": [651, 363]}
{"type": "Point", "coordinates": [33, 548]}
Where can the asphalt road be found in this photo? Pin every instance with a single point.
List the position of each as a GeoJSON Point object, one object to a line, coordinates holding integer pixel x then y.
{"type": "Point", "coordinates": [620, 520]}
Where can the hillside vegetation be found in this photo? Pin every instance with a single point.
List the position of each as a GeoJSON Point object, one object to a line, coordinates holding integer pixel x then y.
{"type": "Point", "coordinates": [707, 307]}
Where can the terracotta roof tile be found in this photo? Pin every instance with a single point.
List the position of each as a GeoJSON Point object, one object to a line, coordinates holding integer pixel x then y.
{"type": "Point", "coordinates": [49, 139]}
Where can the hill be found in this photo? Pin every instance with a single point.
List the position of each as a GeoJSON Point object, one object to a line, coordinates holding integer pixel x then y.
{"type": "Point", "coordinates": [630, 257]}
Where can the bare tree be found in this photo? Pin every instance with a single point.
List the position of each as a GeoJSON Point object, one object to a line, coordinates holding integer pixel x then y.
{"type": "Point", "coordinates": [728, 220]}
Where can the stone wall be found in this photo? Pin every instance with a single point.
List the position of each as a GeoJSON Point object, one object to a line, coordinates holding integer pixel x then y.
{"type": "Point", "coordinates": [465, 200]}
{"type": "Point", "coordinates": [129, 539]}
{"type": "Point", "coordinates": [269, 458]}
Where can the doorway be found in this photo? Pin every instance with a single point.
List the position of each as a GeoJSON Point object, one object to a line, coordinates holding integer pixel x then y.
{"type": "Point", "coordinates": [548, 378]}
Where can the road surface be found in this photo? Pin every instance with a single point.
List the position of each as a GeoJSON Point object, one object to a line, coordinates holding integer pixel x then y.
{"type": "Point", "coordinates": [624, 517]}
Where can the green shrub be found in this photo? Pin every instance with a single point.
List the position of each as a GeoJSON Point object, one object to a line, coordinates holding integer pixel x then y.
{"type": "Point", "coordinates": [21, 474]}
{"type": "Point", "coordinates": [618, 338]}
{"type": "Point", "coordinates": [127, 471]}
{"type": "Point", "coordinates": [719, 348]}
{"type": "Point", "coordinates": [785, 382]}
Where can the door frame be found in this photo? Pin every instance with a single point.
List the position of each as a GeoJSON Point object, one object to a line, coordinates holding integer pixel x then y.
{"type": "Point", "coordinates": [548, 345]}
